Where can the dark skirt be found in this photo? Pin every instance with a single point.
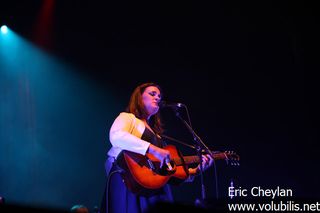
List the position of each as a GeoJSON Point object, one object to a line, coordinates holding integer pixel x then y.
{"type": "Point", "coordinates": [118, 199]}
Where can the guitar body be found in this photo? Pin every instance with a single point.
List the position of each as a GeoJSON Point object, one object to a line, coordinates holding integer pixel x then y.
{"type": "Point", "coordinates": [143, 175]}
{"type": "Point", "coordinates": [143, 178]}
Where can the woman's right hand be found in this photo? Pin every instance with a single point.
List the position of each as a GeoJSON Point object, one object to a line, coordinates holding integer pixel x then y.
{"type": "Point", "coordinates": [161, 154]}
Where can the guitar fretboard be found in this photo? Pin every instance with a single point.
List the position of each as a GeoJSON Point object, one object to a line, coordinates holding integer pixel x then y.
{"type": "Point", "coordinates": [196, 159]}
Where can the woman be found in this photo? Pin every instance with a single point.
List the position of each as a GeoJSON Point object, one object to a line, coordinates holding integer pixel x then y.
{"type": "Point", "coordinates": [138, 130]}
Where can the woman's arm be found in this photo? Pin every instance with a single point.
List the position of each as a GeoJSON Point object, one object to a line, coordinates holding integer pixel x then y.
{"type": "Point", "coordinates": [120, 135]}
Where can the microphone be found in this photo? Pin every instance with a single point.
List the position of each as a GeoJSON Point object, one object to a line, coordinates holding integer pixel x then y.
{"type": "Point", "coordinates": [164, 104]}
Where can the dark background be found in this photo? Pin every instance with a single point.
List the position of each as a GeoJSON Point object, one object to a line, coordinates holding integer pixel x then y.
{"type": "Point", "coordinates": [246, 70]}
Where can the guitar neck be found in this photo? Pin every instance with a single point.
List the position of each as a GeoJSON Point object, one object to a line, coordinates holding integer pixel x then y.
{"type": "Point", "coordinates": [196, 159]}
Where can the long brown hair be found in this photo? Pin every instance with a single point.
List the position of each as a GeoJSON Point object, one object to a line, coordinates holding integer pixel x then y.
{"type": "Point", "coordinates": [137, 108]}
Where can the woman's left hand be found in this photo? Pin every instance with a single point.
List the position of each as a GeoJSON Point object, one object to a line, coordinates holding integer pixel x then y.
{"type": "Point", "coordinates": [207, 161]}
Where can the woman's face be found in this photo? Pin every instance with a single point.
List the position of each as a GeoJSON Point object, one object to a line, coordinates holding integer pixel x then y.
{"type": "Point", "coordinates": [151, 98]}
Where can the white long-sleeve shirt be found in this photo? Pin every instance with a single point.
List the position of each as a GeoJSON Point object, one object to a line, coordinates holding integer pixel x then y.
{"type": "Point", "coordinates": [125, 134]}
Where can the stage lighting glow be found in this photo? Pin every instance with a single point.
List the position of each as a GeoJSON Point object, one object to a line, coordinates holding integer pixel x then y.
{"type": "Point", "coordinates": [4, 29]}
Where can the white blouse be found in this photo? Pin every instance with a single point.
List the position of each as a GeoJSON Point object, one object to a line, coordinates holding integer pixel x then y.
{"type": "Point", "coordinates": [125, 134]}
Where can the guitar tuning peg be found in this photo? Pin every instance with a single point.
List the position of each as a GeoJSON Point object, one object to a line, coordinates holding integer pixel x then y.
{"type": "Point", "coordinates": [236, 163]}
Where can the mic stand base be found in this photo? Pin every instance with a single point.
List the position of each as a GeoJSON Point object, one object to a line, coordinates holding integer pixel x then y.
{"type": "Point", "coordinates": [211, 205]}
{"type": "Point", "coordinates": [201, 203]}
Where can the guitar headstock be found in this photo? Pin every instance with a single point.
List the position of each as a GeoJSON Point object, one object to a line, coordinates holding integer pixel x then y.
{"type": "Point", "coordinates": [232, 158]}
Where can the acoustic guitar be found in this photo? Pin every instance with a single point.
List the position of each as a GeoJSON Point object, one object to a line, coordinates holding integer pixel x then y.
{"type": "Point", "coordinates": [143, 175]}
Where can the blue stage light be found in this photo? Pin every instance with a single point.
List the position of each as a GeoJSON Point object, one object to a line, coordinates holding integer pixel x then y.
{"type": "Point", "coordinates": [4, 29]}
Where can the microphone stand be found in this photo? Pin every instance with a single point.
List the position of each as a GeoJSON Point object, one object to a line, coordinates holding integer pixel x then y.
{"type": "Point", "coordinates": [199, 147]}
